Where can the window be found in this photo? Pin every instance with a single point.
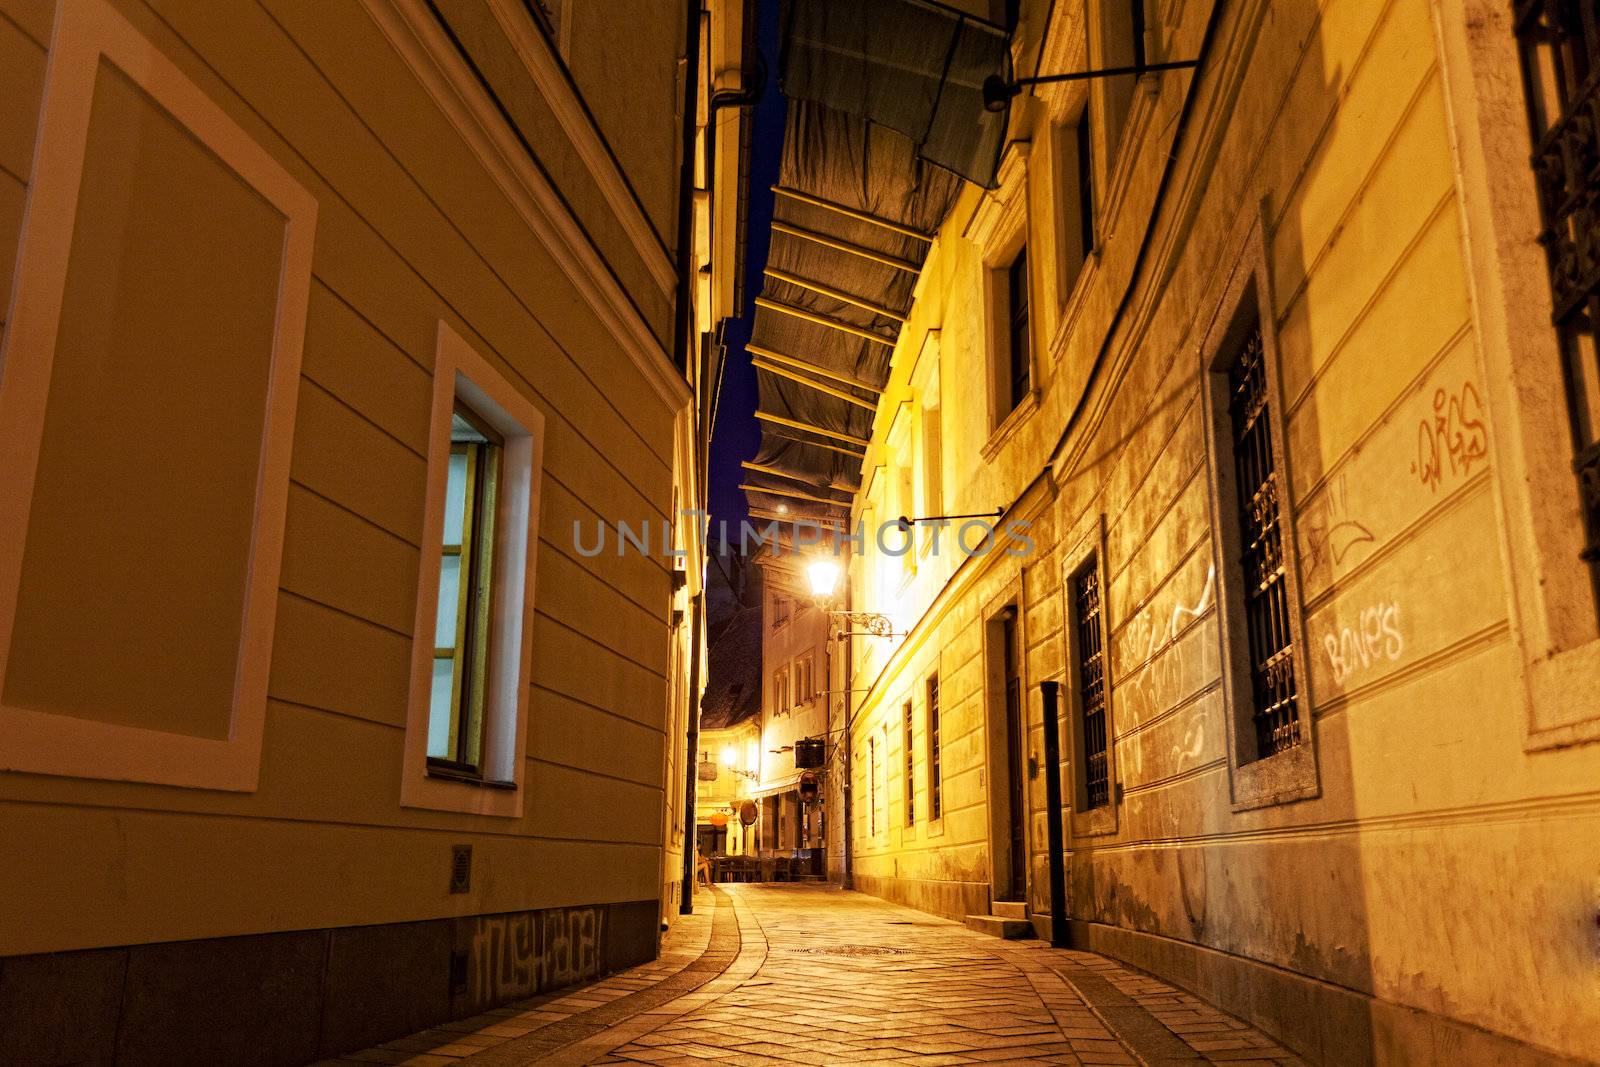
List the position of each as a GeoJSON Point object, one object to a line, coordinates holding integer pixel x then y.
{"type": "Point", "coordinates": [935, 766]}
{"type": "Point", "coordinates": [804, 679]}
{"type": "Point", "coordinates": [1271, 758]}
{"type": "Point", "coordinates": [780, 691]}
{"type": "Point", "coordinates": [466, 575]}
{"type": "Point", "coordinates": [1074, 201]}
{"type": "Point", "coordinates": [1017, 348]}
{"type": "Point", "coordinates": [910, 771]}
{"type": "Point", "coordinates": [1091, 687]}
{"type": "Point", "coordinates": [472, 651]}
{"type": "Point", "coordinates": [781, 606]}
{"type": "Point", "coordinates": [1560, 48]}
{"type": "Point", "coordinates": [1261, 562]}
{"type": "Point", "coordinates": [147, 409]}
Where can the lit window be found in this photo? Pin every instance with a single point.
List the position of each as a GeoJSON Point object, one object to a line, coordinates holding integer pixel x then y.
{"type": "Point", "coordinates": [466, 577]}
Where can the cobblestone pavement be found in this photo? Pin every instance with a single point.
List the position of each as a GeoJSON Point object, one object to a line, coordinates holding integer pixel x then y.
{"type": "Point", "coordinates": [765, 974]}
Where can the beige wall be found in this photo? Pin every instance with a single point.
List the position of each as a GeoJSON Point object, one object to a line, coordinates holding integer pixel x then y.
{"type": "Point", "coordinates": [1447, 863]}
{"type": "Point", "coordinates": [412, 229]}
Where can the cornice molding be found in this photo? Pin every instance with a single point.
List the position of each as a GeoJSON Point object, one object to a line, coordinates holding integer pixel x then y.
{"type": "Point", "coordinates": [533, 48]}
{"type": "Point", "coordinates": [422, 45]}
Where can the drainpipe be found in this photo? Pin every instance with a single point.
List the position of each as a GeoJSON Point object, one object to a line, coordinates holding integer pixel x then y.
{"type": "Point", "coordinates": [848, 881]}
{"type": "Point", "coordinates": [683, 349]}
{"type": "Point", "coordinates": [692, 762]}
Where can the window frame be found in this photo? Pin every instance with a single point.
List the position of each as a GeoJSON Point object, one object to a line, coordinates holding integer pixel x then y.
{"type": "Point", "coordinates": [46, 743]}
{"type": "Point", "coordinates": [474, 603]}
{"type": "Point", "coordinates": [1089, 554]}
{"type": "Point", "coordinates": [499, 785]}
{"type": "Point", "coordinates": [1245, 303]}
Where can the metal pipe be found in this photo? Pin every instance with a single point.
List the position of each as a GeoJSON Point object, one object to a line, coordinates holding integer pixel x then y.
{"type": "Point", "coordinates": [823, 320]}
{"type": "Point", "coordinates": [852, 213]}
{"type": "Point", "coordinates": [1054, 836]}
{"type": "Point", "coordinates": [814, 368]}
{"type": "Point", "coordinates": [692, 762]}
{"type": "Point", "coordinates": [811, 383]}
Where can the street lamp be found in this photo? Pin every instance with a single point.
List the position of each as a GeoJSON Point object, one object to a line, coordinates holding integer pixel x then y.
{"type": "Point", "coordinates": [824, 576]}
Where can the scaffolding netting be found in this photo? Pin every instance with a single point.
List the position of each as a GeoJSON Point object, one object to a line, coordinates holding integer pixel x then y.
{"type": "Point", "coordinates": [878, 138]}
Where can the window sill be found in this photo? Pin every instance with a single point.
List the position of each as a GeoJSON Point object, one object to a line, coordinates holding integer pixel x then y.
{"type": "Point", "coordinates": [450, 775]}
{"type": "Point", "coordinates": [1009, 425]}
{"type": "Point", "coordinates": [1279, 779]}
{"type": "Point", "coordinates": [1564, 680]}
{"type": "Point", "coordinates": [1095, 822]}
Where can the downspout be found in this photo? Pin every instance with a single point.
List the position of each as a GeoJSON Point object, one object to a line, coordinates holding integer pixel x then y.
{"type": "Point", "coordinates": [683, 349]}
{"type": "Point", "coordinates": [848, 881]}
{"type": "Point", "coordinates": [691, 762]}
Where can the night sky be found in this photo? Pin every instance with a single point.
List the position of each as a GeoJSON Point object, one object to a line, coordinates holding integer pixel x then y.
{"type": "Point", "coordinates": [737, 435]}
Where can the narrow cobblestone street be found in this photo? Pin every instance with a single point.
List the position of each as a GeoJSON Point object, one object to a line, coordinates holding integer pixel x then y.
{"type": "Point", "coordinates": [801, 974]}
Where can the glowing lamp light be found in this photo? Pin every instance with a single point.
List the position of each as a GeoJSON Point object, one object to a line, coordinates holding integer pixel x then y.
{"type": "Point", "coordinates": [729, 754]}
{"type": "Point", "coordinates": [823, 575]}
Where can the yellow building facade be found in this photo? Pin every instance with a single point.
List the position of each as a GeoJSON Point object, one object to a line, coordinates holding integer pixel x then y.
{"type": "Point", "coordinates": [1252, 369]}
{"type": "Point", "coordinates": [326, 325]}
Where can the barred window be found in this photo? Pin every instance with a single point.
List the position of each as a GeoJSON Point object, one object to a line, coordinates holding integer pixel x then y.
{"type": "Point", "coordinates": [935, 780]}
{"type": "Point", "coordinates": [1261, 561]}
{"type": "Point", "coordinates": [1559, 42]}
{"type": "Point", "coordinates": [1091, 685]}
{"type": "Point", "coordinates": [911, 772]}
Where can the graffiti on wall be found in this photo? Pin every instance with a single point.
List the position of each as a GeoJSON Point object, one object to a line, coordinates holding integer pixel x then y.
{"type": "Point", "coordinates": [572, 946]}
{"type": "Point", "coordinates": [1374, 639]}
{"type": "Point", "coordinates": [1451, 440]}
{"type": "Point", "coordinates": [1330, 538]}
{"type": "Point", "coordinates": [503, 956]}
{"type": "Point", "coordinates": [1158, 684]}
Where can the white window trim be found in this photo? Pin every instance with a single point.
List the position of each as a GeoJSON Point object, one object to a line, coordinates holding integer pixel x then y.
{"type": "Point", "coordinates": [460, 373]}
{"type": "Point", "coordinates": [45, 743]}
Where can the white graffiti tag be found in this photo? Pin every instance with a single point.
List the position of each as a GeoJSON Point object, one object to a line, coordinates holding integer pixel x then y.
{"type": "Point", "coordinates": [1374, 639]}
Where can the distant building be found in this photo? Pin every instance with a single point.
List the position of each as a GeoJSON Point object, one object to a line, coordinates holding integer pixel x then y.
{"type": "Point", "coordinates": [730, 738]}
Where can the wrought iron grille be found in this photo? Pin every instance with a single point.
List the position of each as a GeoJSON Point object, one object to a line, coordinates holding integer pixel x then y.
{"type": "Point", "coordinates": [1091, 687]}
{"type": "Point", "coordinates": [1559, 41]}
{"type": "Point", "coordinates": [1272, 680]}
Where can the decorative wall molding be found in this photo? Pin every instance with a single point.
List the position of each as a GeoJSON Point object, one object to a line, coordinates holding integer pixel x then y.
{"type": "Point", "coordinates": [88, 34]}
{"type": "Point", "coordinates": [423, 46]}
{"type": "Point", "coordinates": [534, 49]}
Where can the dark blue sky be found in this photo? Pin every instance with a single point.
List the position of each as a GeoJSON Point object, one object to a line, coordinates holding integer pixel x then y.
{"type": "Point", "coordinates": [737, 435]}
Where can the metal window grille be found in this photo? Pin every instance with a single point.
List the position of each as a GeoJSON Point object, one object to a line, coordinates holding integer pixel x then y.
{"type": "Point", "coordinates": [1272, 680]}
{"type": "Point", "coordinates": [1559, 42]}
{"type": "Point", "coordinates": [1017, 295]}
{"type": "Point", "coordinates": [1091, 687]}
{"type": "Point", "coordinates": [935, 773]}
{"type": "Point", "coordinates": [911, 772]}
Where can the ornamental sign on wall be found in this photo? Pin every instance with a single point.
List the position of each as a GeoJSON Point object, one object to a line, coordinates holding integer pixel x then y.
{"type": "Point", "coordinates": [747, 813]}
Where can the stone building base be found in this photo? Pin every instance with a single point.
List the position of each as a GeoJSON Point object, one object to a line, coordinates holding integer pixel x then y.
{"type": "Point", "coordinates": [952, 900]}
{"type": "Point", "coordinates": [294, 997]}
{"type": "Point", "coordinates": [1324, 1023]}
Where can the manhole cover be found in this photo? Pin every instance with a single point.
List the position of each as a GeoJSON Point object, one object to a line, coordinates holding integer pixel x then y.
{"type": "Point", "coordinates": [854, 950]}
